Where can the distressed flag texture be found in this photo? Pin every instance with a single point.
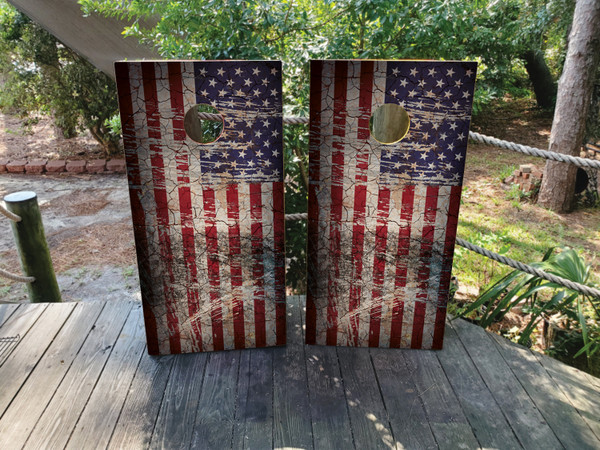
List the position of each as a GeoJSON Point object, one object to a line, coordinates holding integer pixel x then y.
{"type": "Point", "coordinates": [208, 218]}
{"type": "Point", "coordinates": [382, 218]}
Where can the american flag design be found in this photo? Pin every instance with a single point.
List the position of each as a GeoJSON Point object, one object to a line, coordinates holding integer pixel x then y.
{"type": "Point", "coordinates": [382, 218]}
{"type": "Point", "coordinates": [208, 218]}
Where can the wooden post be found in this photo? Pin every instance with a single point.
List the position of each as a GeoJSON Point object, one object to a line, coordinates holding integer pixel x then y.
{"type": "Point", "coordinates": [32, 247]}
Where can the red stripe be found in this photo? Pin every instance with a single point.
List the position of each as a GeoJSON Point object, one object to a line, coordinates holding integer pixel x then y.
{"type": "Point", "coordinates": [408, 197]}
{"type": "Point", "coordinates": [423, 271]}
{"type": "Point", "coordinates": [360, 196]}
{"type": "Point", "coordinates": [160, 198]}
{"type": "Point", "coordinates": [212, 255]}
{"type": "Point", "coordinates": [258, 270]}
{"type": "Point", "coordinates": [337, 196]}
{"type": "Point", "coordinates": [451, 226]}
{"type": "Point", "coordinates": [279, 234]}
{"type": "Point", "coordinates": [381, 233]}
{"type": "Point", "coordinates": [135, 192]}
{"type": "Point", "coordinates": [235, 265]}
{"type": "Point", "coordinates": [185, 203]}
{"type": "Point", "coordinates": [316, 69]}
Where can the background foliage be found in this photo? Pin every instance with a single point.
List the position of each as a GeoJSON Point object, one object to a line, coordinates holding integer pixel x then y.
{"type": "Point", "coordinates": [40, 75]}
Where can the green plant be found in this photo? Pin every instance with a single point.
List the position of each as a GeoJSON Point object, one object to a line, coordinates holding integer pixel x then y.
{"type": "Point", "coordinates": [540, 298]}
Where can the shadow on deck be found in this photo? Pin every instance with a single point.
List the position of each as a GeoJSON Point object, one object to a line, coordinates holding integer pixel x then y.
{"type": "Point", "coordinates": [79, 377]}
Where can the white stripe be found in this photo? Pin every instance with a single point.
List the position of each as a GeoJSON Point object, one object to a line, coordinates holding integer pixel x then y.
{"type": "Point", "coordinates": [247, 290]}
{"type": "Point", "coordinates": [350, 151]}
{"type": "Point", "coordinates": [416, 235]}
{"type": "Point", "coordinates": [225, 301]}
{"type": "Point", "coordinates": [323, 195]}
{"type": "Point", "coordinates": [435, 267]}
{"type": "Point", "coordinates": [158, 303]}
{"type": "Point", "coordinates": [269, 262]}
{"type": "Point", "coordinates": [372, 198]}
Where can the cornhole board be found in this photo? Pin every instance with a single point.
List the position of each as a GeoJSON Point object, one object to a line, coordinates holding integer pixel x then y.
{"type": "Point", "coordinates": [382, 218]}
{"type": "Point", "coordinates": [208, 217]}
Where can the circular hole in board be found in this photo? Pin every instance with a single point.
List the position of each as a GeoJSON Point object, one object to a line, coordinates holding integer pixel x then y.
{"type": "Point", "coordinates": [389, 123]}
{"type": "Point", "coordinates": [203, 123]}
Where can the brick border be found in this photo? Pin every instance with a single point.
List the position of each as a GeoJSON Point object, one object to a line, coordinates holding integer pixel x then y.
{"type": "Point", "coordinates": [39, 166]}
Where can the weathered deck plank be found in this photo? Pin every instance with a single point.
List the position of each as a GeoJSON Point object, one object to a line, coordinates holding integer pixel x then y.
{"type": "Point", "coordinates": [63, 412]}
{"type": "Point", "coordinates": [292, 425]}
{"type": "Point", "coordinates": [522, 414]}
{"type": "Point", "coordinates": [23, 414]}
{"type": "Point", "coordinates": [561, 416]}
{"type": "Point", "coordinates": [480, 391]}
{"type": "Point", "coordinates": [98, 419]}
{"type": "Point", "coordinates": [25, 357]}
{"type": "Point", "coordinates": [483, 413]}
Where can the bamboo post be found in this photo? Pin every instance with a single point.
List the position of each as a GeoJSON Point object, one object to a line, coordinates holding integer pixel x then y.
{"type": "Point", "coordinates": [32, 246]}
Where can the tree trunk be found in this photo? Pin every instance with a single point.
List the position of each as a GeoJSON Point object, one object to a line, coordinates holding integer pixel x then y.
{"type": "Point", "coordinates": [541, 78]}
{"type": "Point", "coordinates": [572, 104]}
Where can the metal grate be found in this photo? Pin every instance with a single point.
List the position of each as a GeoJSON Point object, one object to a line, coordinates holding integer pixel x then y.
{"type": "Point", "coordinates": [7, 344]}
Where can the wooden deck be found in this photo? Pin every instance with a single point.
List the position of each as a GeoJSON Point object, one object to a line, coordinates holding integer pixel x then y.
{"type": "Point", "coordinates": [79, 377]}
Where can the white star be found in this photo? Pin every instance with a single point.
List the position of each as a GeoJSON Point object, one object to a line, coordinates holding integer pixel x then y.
{"type": "Point", "coordinates": [435, 125]}
{"type": "Point", "coordinates": [202, 71]}
{"type": "Point", "coordinates": [455, 105]}
{"type": "Point", "coordinates": [466, 94]}
{"type": "Point", "coordinates": [437, 105]}
{"type": "Point", "coordinates": [440, 83]}
{"type": "Point", "coordinates": [247, 82]}
{"type": "Point", "coordinates": [432, 72]}
{"type": "Point", "coordinates": [255, 71]}
{"type": "Point", "coordinates": [413, 72]}
{"type": "Point", "coordinates": [447, 94]}
{"type": "Point", "coordinates": [422, 83]}
{"type": "Point", "coordinates": [248, 103]}
{"type": "Point", "coordinates": [239, 93]}
{"type": "Point", "coordinates": [265, 102]}
{"type": "Point", "coordinates": [256, 92]}
{"type": "Point", "coordinates": [275, 133]}
{"type": "Point", "coordinates": [248, 122]}
{"type": "Point", "coordinates": [265, 81]}
{"type": "Point", "coordinates": [275, 153]}
{"type": "Point", "coordinates": [397, 165]}
{"type": "Point", "coordinates": [238, 71]}
{"type": "Point", "coordinates": [450, 72]}
{"type": "Point", "coordinates": [221, 72]}
{"type": "Point", "coordinates": [458, 83]}
{"type": "Point", "coordinates": [230, 103]}
{"type": "Point", "coordinates": [234, 164]}
{"type": "Point", "coordinates": [274, 71]}
{"type": "Point", "coordinates": [231, 121]}
{"type": "Point", "coordinates": [276, 173]}
{"type": "Point", "coordinates": [425, 136]}
{"type": "Point", "coordinates": [424, 155]}
{"type": "Point", "coordinates": [413, 166]}
{"type": "Point", "coordinates": [406, 155]}
{"type": "Point", "coordinates": [448, 166]}
{"type": "Point", "coordinates": [218, 164]}
{"type": "Point", "coordinates": [250, 163]}
{"type": "Point", "coordinates": [469, 73]}
{"type": "Point", "coordinates": [458, 156]}
{"type": "Point", "coordinates": [267, 144]}
{"type": "Point", "coordinates": [266, 123]}
{"type": "Point", "coordinates": [403, 82]}
{"type": "Point", "coordinates": [241, 134]}
{"type": "Point", "coordinates": [242, 153]}
{"type": "Point", "coordinates": [212, 82]}
{"type": "Point", "coordinates": [412, 93]}
{"type": "Point", "coordinates": [443, 136]}
{"type": "Point", "coordinates": [258, 134]}
{"type": "Point", "coordinates": [420, 104]}
{"type": "Point", "coordinates": [204, 93]}
{"type": "Point", "coordinates": [402, 103]}
{"type": "Point", "coordinates": [429, 94]}
{"type": "Point", "coordinates": [453, 126]}
{"type": "Point", "coordinates": [259, 154]}
{"type": "Point", "coordinates": [394, 93]}
{"type": "Point", "coordinates": [273, 91]}
{"type": "Point", "coordinates": [431, 166]}
{"type": "Point", "coordinates": [222, 92]}
{"type": "Point", "coordinates": [266, 162]}
{"type": "Point", "coordinates": [461, 137]}
{"type": "Point", "coordinates": [230, 82]}
{"type": "Point", "coordinates": [417, 125]}
{"type": "Point", "coordinates": [451, 146]}
{"type": "Point", "coordinates": [441, 156]}
{"type": "Point", "coordinates": [395, 71]}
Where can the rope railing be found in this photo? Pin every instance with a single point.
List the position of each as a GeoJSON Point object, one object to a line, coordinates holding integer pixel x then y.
{"type": "Point", "coordinates": [6, 213]}
{"type": "Point", "coordinates": [14, 277]}
{"type": "Point", "coordinates": [587, 290]}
